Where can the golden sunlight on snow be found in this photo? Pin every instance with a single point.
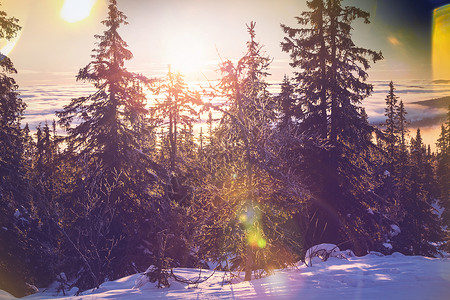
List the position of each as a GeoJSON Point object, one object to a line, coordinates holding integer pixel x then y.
{"type": "Point", "coordinates": [441, 43]}
{"type": "Point", "coordinates": [76, 10]}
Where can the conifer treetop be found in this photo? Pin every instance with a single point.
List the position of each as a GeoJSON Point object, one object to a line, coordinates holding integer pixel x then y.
{"type": "Point", "coordinates": [9, 26]}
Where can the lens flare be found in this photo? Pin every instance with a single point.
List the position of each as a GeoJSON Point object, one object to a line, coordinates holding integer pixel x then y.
{"type": "Point", "coordinates": [250, 220]}
{"type": "Point", "coordinates": [243, 218]}
{"type": "Point", "coordinates": [255, 239]}
{"type": "Point", "coordinates": [7, 46]}
{"type": "Point", "coordinates": [262, 243]}
{"type": "Point", "coordinates": [441, 42]}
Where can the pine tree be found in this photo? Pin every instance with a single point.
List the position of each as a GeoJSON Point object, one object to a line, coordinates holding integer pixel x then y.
{"type": "Point", "coordinates": [108, 117]}
{"type": "Point", "coordinates": [115, 187]}
{"type": "Point", "coordinates": [287, 102]}
{"type": "Point", "coordinates": [391, 123]}
{"type": "Point", "coordinates": [15, 199]}
{"type": "Point", "coordinates": [243, 204]}
{"type": "Point", "coordinates": [176, 113]}
{"type": "Point", "coordinates": [178, 107]}
{"type": "Point", "coordinates": [393, 159]}
{"type": "Point", "coordinates": [309, 53]}
{"type": "Point", "coordinates": [331, 82]}
{"type": "Point", "coordinates": [420, 226]}
{"type": "Point", "coordinates": [443, 174]}
{"type": "Point", "coordinates": [22, 255]}
{"type": "Point", "coordinates": [11, 111]}
{"type": "Point", "coordinates": [402, 125]}
{"type": "Point", "coordinates": [401, 169]}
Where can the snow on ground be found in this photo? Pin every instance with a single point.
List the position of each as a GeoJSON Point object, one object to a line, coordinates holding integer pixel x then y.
{"type": "Point", "coordinates": [369, 277]}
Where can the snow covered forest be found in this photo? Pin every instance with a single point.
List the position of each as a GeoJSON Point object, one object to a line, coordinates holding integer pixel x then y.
{"type": "Point", "coordinates": [131, 187]}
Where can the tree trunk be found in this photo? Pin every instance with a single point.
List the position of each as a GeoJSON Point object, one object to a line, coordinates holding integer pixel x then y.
{"type": "Point", "coordinates": [248, 263]}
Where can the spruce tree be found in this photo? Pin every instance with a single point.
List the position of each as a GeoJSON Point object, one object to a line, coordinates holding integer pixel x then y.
{"type": "Point", "coordinates": [23, 254]}
{"type": "Point", "coordinates": [178, 107]}
{"type": "Point", "coordinates": [243, 206]}
{"type": "Point", "coordinates": [332, 83]}
{"type": "Point", "coordinates": [403, 156]}
{"type": "Point", "coordinates": [11, 111]}
{"type": "Point", "coordinates": [394, 159]}
{"type": "Point", "coordinates": [402, 125]}
{"type": "Point", "coordinates": [175, 112]}
{"type": "Point", "coordinates": [420, 226]}
{"type": "Point", "coordinates": [116, 190]}
{"type": "Point", "coordinates": [309, 53]}
{"type": "Point", "coordinates": [443, 174]}
{"type": "Point", "coordinates": [287, 102]}
{"type": "Point", "coordinates": [391, 124]}
{"type": "Point", "coordinates": [15, 198]}
{"type": "Point", "coordinates": [108, 118]}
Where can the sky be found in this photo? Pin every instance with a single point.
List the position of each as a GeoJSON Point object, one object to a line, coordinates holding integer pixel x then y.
{"type": "Point", "coordinates": [194, 35]}
{"type": "Point", "coordinates": [51, 50]}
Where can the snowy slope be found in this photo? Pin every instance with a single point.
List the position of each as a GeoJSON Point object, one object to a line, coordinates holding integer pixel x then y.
{"type": "Point", "coordinates": [369, 277]}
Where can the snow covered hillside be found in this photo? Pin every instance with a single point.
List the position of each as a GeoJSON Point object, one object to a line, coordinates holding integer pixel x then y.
{"type": "Point", "coordinates": [370, 277]}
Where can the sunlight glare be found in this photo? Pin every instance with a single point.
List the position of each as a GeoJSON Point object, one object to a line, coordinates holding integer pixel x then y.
{"type": "Point", "coordinates": [185, 53]}
{"type": "Point", "coordinates": [76, 10]}
{"type": "Point", "coordinates": [441, 43]}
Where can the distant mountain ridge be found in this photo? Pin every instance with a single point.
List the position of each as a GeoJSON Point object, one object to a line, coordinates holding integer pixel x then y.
{"type": "Point", "coordinates": [428, 121]}
{"type": "Point", "coordinates": [441, 81]}
{"type": "Point", "coordinates": [443, 102]}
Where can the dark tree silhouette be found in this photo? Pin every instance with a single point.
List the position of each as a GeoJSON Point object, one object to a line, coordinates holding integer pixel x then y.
{"type": "Point", "coordinates": [286, 100]}
{"type": "Point", "coordinates": [331, 83]}
{"type": "Point", "coordinates": [392, 123]}
{"type": "Point", "coordinates": [420, 225]}
{"type": "Point", "coordinates": [117, 189]}
{"type": "Point", "coordinates": [15, 200]}
{"type": "Point", "coordinates": [443, 174]}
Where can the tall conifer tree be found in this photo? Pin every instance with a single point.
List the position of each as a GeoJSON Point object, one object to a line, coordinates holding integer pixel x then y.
{"type": "Point", "coordinates": [331, 81]}
{"type": "Point", "coordinates": [287, 102]}
{"type": "Point", "coordinates": [443, 174]}
{"type": "Point", "coordinates": [116, 187]}
{"type": "Point", "coordinates": [21, 251]}
{"type": "Point", "coordinates": [11, 111]}
{"type": "Point", "coordinates": [108, 118]}
{"type": "Point", "coordinates": [391, 123]}
{"type": "Point", "coordinates": [245, 196]}
{"type": "Point", "coordinates": [420, 226]}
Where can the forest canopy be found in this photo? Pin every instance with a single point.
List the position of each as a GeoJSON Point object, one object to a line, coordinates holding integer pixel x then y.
{"type": "Point", "coordinates": [130, 184]}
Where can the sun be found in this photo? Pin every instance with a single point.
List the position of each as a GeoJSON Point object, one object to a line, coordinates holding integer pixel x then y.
{"type": "Point", "coordinates": [76, 10]}
{"type": "Point", "coordinates": [186, 53]}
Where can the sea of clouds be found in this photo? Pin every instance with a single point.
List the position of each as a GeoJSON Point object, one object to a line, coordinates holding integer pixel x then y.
{"type": "Point", "coordinates": [44, 100]}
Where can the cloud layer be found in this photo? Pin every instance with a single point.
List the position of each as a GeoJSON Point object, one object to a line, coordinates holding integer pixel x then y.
{"type": "Point", "coordinates": [44, 100]}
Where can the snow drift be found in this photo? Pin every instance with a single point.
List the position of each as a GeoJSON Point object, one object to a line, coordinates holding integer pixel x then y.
{"type": "Point", "coordinates": [341, 276]}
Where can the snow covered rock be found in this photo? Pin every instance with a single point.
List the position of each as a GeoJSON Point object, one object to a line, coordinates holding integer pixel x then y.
{"type": "Point", "coordinates": [143, 279]}
{"type": "Point", "coordinates": [395, 230]}
{"type": "Point", "coordinates": [322, 252]}
{"type": "Point", "coordinates": [387, 246]}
